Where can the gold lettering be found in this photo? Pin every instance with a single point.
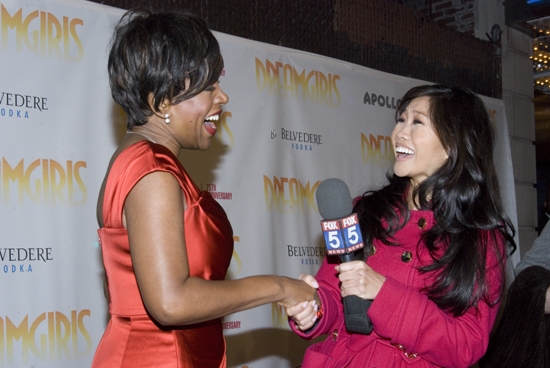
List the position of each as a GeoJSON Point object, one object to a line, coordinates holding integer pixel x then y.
{"type": "Point", "coordinates": [289, 195]}
{"type": "Point", "coordinates": [20, 332]}
{"type": "Point", "coordinates": [75, 22]}
{"type": "Point", "coordinates": [59, 341]}
{"type": "Point", "coordinates": [14, 175]}
{"type": "Point", "coordinates": [83, 313]}
{"type": "Point", "coordinates": [48, 38]}
{"type": "Point", "coordinates": [42, 352]}
{"type": "Point", "coordinates": [26, 183]}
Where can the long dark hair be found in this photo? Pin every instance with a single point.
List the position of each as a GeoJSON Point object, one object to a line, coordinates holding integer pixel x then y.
{"type": "Point", "coordinates": [463, 195]}
{"type": "Point", "coordinates": [167, 55]}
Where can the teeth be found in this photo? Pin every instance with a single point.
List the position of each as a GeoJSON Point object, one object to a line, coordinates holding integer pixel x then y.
{"type": "Point", "coordinates": [213, 118]}
{"type": "Point", "coordinates": [404, 150]}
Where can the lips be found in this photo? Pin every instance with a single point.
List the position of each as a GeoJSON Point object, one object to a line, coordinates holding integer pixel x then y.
{"type": "Point", "coordinates": [401, 152]}
{"type": "Point", "coordinates": [210, 124]}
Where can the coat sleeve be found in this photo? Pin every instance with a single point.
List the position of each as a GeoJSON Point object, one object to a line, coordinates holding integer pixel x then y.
{"type": "Point", "coordinates": [409, 318]}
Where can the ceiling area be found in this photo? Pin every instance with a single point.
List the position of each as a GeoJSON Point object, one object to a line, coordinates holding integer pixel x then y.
{"type": "Point", "coordinates": [533, 18]}
{"type": "Point", "coordinates": [541, 83]}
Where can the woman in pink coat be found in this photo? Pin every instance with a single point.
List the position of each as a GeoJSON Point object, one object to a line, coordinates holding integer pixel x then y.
{"type": "Point", "coordinates": [435, 247]}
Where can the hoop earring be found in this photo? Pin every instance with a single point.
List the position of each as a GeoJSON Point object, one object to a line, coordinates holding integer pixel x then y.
{"type": "Point", "coordinates": [167, 118]}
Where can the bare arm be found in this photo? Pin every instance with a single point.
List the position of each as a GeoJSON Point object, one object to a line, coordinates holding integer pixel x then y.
{"type": "Point", "coordinates": [154, 213]}
{"type": "Point", "coordinates": [547, 304]}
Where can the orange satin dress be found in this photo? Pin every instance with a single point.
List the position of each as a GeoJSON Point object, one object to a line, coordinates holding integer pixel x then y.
{"type": "Point", "coordinates": [132, 338]}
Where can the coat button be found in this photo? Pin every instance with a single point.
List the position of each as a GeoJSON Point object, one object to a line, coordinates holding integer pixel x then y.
{"type": "Point", "coordinates": [372, 251]}
{"type": "Point", "coordinates": [334, 335]}
{"type": "Point", "coordinates": [421, 223]}
{"type": "Point", "coordinates": [406, 256]}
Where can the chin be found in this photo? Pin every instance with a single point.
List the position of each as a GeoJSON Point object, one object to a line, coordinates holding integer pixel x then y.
{"type": "Point", "coordinates": [399, 173]}
{"type": "Point", "coordinates": [204, 147]}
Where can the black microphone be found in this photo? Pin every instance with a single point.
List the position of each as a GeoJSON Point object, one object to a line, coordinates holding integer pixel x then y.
{"type": "Point", "coordinates": [343, 237]}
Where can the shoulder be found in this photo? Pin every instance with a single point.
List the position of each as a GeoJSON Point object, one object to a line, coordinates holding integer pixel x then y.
{"type": "Point", "coordinates": [147, 156]}
{"type": "Point", "coordinates": [140, 159]}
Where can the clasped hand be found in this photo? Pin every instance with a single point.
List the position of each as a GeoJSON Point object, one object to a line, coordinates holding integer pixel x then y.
{"type": "Point", "coordinates": [356, 278]}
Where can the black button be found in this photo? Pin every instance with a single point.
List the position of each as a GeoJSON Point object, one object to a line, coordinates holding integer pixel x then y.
{"type": "Point", "coordinates": [421, 222]}
{"type": "Point", "coordinates": [372, 251]}
{"type": "Point", "coordinates": [406, 256]}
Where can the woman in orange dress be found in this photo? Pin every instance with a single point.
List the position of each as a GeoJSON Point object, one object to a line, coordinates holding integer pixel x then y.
{"type": "Point", "coordinates": [166, 245]}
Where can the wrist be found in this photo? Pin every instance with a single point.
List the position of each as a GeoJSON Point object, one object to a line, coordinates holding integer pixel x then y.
{"type": "Point", "coordinates": [282, 283]}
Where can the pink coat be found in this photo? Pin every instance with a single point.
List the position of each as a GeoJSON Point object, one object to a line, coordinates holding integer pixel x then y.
{"type": "Point", "coordinates": [409, 329]}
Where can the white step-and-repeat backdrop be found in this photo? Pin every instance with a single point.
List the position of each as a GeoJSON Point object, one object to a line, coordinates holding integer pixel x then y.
{"type": "Point", "coordinates": [293, 120]}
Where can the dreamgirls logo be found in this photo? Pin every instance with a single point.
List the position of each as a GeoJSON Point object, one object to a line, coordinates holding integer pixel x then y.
{"type": "Point", "coordinates": [50, 337]}
{"type": "Point", "coordinates": [289, 195]}
{"type": "Point", "coordinates": [285, 81]}
{"type": "Point", "coordinates": [377, 150]}
{"type": "Point", "coordinates": [42, 33]}
{"type": "Point", "coordinates": [43, 181]}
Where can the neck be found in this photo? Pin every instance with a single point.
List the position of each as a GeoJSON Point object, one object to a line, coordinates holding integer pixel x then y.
{"type": "Point", "coordinates": [142, 134]}
{"type": "Point", "coordinates": [158, 132]}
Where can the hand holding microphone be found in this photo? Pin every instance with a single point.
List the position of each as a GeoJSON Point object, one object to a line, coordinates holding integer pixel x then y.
{"type": "Point", "coordinates": [343, 237]}
{"type": "Point", "coordinates": [358, 278]}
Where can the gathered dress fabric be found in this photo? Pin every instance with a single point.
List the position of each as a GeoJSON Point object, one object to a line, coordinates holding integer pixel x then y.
{"type": "Point", "coordinates": [409, 329]}
{"type": "Point", "coordinates": [132, 338]}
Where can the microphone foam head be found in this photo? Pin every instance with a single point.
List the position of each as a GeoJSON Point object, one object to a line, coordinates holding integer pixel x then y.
{"type": "Point", "coordinates": [333, 199]}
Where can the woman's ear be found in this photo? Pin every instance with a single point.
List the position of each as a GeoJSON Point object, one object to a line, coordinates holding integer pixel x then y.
{"type": "Point", "coordinates": [163, 106]}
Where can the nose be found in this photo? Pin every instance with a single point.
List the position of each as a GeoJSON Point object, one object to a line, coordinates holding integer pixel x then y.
{"type": "Point", "coordinates": [401, 131]}
{"type": "Point", "coordinates": [221, 97]}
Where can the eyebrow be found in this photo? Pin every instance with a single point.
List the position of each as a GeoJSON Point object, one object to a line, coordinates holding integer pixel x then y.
{"type": "Point", "coordinates": [419, 112]}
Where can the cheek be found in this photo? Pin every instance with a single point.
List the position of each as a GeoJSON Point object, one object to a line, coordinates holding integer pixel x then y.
{"type": "Point", "coordinates": [393, 134]}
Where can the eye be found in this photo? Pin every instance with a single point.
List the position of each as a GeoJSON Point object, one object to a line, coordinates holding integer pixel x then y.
{"type": "Point", "coordinates": [416, 121]}
{"type": "Point", "coordinates": [211, 88]}
{"type": "Point", "coordinates": [400, 120]}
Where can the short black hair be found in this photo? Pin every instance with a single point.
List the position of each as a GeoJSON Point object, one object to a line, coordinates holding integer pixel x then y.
{"type": "Point", "coordinates": [170, 56]}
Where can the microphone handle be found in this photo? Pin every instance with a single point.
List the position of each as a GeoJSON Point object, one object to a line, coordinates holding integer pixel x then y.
{"type": "Point", "coordinates": [355, 308]}
{"type": "Point", "coordinates": [355, 314]}
{"type": "Point", "coordinates": [347, 257]}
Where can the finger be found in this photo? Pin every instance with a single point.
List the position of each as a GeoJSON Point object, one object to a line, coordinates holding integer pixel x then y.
{"type": "Point", "coordinates": [304, 317]}
{"type": "Point", "coordinates": [297, 309]}
{"type": "Point", "coordinates": [307, 326]}
{"type": "Point", "coordinates": [350, 277]}
{"type": "Point", "coordinates": [310, 280]}
{"type": "Point", "coordinates": [351, 266]}
{"type": "Point", "coordinates": [307, 316]}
